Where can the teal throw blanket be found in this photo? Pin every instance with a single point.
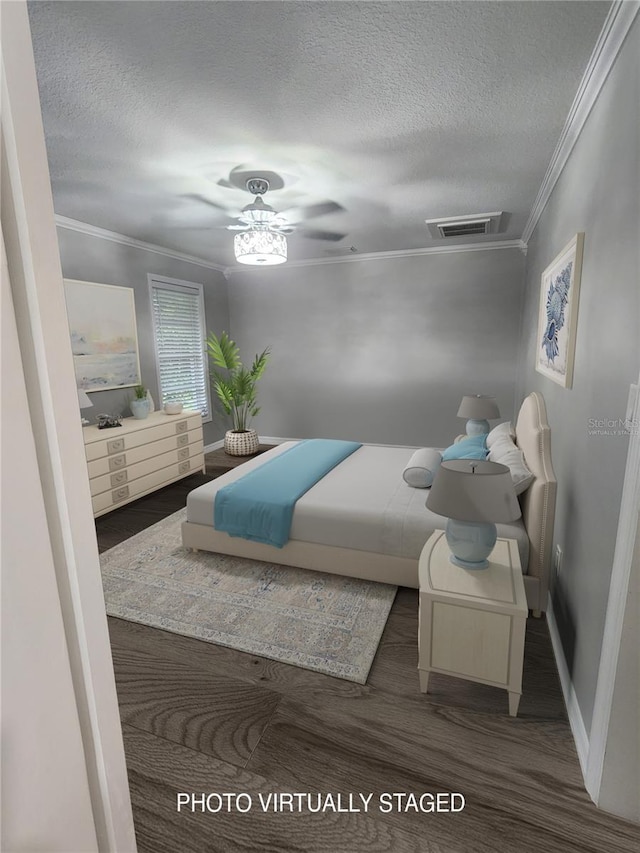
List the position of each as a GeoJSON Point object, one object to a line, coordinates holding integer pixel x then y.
{"type": "Point", "coordinates": [259, 506]}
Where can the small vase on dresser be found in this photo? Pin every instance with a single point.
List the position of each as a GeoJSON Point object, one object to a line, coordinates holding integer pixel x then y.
{"type": "Point", "coordinates": [139, 408]}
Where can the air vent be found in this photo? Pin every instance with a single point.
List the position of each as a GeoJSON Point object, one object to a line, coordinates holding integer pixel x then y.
{"type": "Point", "coordinates": [464, 226]}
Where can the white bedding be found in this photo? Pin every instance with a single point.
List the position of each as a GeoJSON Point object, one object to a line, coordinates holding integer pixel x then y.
{"type": "Point", "coordinates": [362, 504]}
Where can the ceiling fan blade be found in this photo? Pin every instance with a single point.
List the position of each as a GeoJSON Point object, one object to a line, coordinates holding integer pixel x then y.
{"type": "Point", "coordinates": [230, 212]}
{"type": "Point", "coordinates": [209, 227]}
{"type": "Point", "coordinates": [311, 211]}
{"type": "Point", "coordinates": [332, 236]}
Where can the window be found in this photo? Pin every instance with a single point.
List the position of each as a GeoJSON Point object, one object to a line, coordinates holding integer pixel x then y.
{"type": "Point", "coordinates": [177, 308]}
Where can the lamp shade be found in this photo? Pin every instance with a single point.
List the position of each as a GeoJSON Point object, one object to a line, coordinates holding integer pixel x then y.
{"type": "Point", "coordinates": [474, 490]}
{"type": "Point", "coordinates": [260, 247]}
{"type": "Point", "coordinates": [479, 407]}
{"type": "Point", "coordinates": [83, 399]}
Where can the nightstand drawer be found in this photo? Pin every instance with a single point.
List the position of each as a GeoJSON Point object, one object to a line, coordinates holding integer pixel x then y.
{"type": "Point", "coordinates": [469, 642]}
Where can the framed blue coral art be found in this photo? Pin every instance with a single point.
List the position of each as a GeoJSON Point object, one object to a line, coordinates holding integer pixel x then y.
{"type": "Point", "coordinates": [558, 318]}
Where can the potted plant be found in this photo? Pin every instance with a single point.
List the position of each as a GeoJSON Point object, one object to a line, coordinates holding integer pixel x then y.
{"type": "Point", "coordinates": [140, 404]}
{"type": "Point", "coordinates": [236, 390]}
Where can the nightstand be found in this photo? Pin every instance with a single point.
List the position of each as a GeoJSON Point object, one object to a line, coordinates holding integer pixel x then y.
{"type": "Point", "coordinates": [472, 622]}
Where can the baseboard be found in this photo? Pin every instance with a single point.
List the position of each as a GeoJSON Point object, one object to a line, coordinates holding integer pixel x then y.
{"type": "Point", "coordinates": [275, 439]}
{"type": "Point", "coordinates": [215, 446]}
{"type": "Point", "coordinates": [578, 728]}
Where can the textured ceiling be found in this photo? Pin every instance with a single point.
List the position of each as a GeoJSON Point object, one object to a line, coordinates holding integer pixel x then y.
{"type": "Point", "coordinates": [397, 111]}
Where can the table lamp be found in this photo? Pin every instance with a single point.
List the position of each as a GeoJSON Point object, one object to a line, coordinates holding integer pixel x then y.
{"type": "Point", "coordinates": [84, 403]}
{"type": "Point", "coordinates": [474, 495]}
{"type": "Point", "coordinates": [479, 410]}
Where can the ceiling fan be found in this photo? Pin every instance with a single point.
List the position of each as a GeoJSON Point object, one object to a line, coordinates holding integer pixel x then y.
{"type": "Point", "coordinates": [258, 215]}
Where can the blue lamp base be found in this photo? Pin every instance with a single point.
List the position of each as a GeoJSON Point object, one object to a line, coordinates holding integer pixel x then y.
{"type": "Point", "coordinates": [477, 427]}
{"type": "Point", "coordinates": [470, 542]}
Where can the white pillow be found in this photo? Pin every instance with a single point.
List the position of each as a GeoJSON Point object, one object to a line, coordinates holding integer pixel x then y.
{"type": "Point", "coordinates": [504, 451]}
{"type": "Point", "coordinates": [504, 430]}
{"type": "Point", "coordinates": [422, 467]}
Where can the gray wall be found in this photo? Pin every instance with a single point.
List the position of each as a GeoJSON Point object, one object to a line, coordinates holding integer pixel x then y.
{"type": "Point", "coordinates": [89, 258]}
{"type": "Point", "coordinates": [597, 193]}
{"type": "Point", "coordinates": [381, 351]}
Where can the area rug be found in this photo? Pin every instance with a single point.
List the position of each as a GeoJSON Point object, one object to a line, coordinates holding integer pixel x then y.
{"type": "Point", "coordinates": [324, 622]}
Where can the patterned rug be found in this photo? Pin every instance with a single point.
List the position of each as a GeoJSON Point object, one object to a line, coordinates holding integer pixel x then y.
{"type": "Point", "coordinates": [317, 621]}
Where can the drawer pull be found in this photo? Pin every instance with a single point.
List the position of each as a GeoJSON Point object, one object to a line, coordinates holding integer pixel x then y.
{"type": "Point", "coordinates": [118, 478]}
{"type": "Point", "coordinates": [115, 445]}
{"type": "Point", "coordinates": [181, 426]}
{"type": "Point", "coordinates": [183, 467]}
{"type": "Point", "coordinates": [117, 462]}
{"type": "Point", "coordinates": [182, 440]}
{"type": "Point", "coordinates": [184, 453]}
{"type": "Point", "coordinates": [120, 494]}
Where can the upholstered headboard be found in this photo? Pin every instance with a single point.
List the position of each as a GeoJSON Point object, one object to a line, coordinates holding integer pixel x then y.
{"type": "Point", "coordinates": [538, 503]}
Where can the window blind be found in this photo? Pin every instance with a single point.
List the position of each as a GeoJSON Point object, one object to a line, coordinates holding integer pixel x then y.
{"type": "Point", "coordinates": [178, 317]}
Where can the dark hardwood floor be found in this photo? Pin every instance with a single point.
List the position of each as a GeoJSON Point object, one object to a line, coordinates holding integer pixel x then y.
{"type": "Point", "coordinates": [199, 718]}
{"type": "Point", "coordinates": [218, 461]}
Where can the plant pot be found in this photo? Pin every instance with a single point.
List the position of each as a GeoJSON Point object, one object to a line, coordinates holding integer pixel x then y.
{"type": "Point", "coordinates": [241, 443]}
{"type": "Point", "coordinates": [139, 408]}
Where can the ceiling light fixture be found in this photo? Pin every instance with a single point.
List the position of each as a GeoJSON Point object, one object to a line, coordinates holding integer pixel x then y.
{"type": "Point", "coordinates": [263, 243]}
{"type": "Point", "coordinates": [260, 247]}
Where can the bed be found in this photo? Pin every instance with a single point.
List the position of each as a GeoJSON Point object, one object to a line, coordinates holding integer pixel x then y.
{"type": "Point", "coordinates": [362, 520]}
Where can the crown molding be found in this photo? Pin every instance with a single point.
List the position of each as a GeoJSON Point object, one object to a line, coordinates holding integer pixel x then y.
{"type": "Point", "coordinates": [385, 256]}
{"type": "Point", "coordinates": [114, 237]}
{"type": "Point", "coordinates": [614, 30]}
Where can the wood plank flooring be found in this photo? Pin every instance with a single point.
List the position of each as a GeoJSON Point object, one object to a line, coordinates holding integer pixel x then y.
{"type": "Point", "coordinates": [219, 461]}
{"type": "Point", "coordinates": [203, 718]}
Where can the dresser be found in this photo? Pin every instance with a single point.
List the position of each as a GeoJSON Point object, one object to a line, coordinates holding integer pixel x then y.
{"type": "Point", "coordinates": [141, 456]}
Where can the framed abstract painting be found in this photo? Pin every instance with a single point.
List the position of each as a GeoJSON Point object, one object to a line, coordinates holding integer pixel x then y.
{"type": "Point", "coordinates": [104, 340]}
{"type": "Point", "coordinates": [558, 315]}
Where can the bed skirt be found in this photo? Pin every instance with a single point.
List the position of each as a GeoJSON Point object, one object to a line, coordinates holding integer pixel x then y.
{"type": "Point", "coordinates": [382, 568]}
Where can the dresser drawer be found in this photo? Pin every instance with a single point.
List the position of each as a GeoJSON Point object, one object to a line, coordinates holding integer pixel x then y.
{"type": "Point", "coordinates": [141, 456]}
{"type": "Point", "coordinates": [135, 436]}
{"type": "Point", "coordinates": [108, 500]}
{"type": "Point", "coordinates": [109, 464]}
{"type": "Point", "coordinates": [146, 466]}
